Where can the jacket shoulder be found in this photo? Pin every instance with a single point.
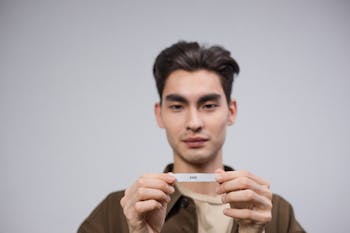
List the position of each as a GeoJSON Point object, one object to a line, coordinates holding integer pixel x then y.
{"type": "Point", "coordinates": [283, 218]}
{"type": "Point", "coordinates": [108, 216]}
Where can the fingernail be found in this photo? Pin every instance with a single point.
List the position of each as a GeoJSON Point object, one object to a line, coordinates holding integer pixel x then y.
{"type": "Point", "coordinates": [223, 198]}
{"type": "Point", "coordinates": [171, 177]}
{"type": "Point", "coordinates": [168, 199]}
{"type": "Point", "coordinates": [171, 189]}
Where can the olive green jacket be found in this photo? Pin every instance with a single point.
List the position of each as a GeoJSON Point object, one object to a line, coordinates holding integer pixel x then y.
{"type": "Point", "coordinates": [108, 216]}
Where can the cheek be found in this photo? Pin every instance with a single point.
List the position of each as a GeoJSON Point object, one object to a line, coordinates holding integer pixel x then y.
{"type": "Point", "coordinates": [173, 126]}
{"type": "Point", "coordinates": [223, 120]}
{"type": "Point", "coordinates": [221, 129]}
{"type": "Point", "coordinates": [218, 124]}
{"type": "Point", "coordinates": [173, 134]}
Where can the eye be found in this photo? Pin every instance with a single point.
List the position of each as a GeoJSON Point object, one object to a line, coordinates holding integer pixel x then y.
{"type": "Point", "coordinates": [176, 107]}
{"type": "Point", "coordinates": [210, 106]}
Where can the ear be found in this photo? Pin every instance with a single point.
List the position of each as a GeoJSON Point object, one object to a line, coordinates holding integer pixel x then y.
{"type": "Point", "coordinates": [232, 107]}
{"type": "Point", "coordinates": [158, 114]}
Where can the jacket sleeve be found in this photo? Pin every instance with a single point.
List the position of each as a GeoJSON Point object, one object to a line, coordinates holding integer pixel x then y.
{"type": "Point", "coordinates": [283, 218]}
{"type": "Point", "coordinates": [107, 217]}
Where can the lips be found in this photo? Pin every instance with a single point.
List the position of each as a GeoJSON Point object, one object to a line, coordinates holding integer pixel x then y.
{"type": "Point", "coordinates": [195, 142]}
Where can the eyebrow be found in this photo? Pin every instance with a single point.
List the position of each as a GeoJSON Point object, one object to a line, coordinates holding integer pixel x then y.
{"type": "Point", "coordinates": [202, 99]}
{"type": "Point", "coordinates": [176, 98]}
{"type": "Point", "coordinates": [209, 97]}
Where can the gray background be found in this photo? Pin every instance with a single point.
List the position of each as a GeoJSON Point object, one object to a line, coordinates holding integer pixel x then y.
{"type": "Point", "coordinates": [77, 95]}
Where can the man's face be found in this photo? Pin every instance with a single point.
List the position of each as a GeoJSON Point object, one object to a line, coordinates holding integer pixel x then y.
{"type": "Point", "coordinates": [194, 112]}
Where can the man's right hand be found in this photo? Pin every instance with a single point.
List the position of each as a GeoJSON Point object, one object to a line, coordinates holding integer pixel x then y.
{"type": "Point", "coordinates": [145, 202]}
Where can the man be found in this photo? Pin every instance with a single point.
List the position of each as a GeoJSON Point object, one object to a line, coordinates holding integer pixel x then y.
{"type": "Point", "coordinates": [195, 108]}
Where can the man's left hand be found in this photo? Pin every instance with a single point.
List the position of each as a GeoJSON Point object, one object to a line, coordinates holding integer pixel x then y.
{"type": "Point", "coordinates": [249, 197]}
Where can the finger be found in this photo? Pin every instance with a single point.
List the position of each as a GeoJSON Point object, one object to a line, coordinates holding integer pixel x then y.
{"type": "Point", "coordinates": [167, 177]}
{"type": "Point", "coordinates": [152, 194]}
{"type": "Point", "coordinates": [122, 202]}
{"type": "Point", "coordinates": [149, 182]}
{"type": "Point", "coordinates": [242, 183]}
{"type": "Point", "coordinates": [156, 184]}
{"type": "Point", "coordinates": [146, 206]}
{"type": "Point", "coordinates": [219, 170]}
{"type": "Point", "coordinates": [248, 197]}
{"type": "Point", "coordinates": [246, 214]}
{"type": "Point", "coordinates": [230, 175]}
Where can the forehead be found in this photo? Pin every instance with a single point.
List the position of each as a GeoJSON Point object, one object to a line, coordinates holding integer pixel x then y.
{"type": "Point", "coordinates": [192, 84]}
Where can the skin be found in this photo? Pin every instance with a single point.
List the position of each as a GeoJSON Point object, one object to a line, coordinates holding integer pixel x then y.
{"type": "Point", "coordinates": [195, 115]}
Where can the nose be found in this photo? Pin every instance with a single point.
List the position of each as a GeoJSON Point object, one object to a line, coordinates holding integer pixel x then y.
{"type": "Point", "coordinates": [194, 121]}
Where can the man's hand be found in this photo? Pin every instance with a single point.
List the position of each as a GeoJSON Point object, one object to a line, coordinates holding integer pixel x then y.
{"type": "Point", "coordinates": [145, 202]}
{"type": "Point", "coordinates": [249, 197]}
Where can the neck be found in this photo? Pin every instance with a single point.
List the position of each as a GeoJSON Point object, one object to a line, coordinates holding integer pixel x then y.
{"type": "Point", "coordinates": [207, 188]}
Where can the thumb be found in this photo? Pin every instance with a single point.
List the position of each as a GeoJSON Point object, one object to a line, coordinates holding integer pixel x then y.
{"type": "Point", "coordinates": [219, 170]}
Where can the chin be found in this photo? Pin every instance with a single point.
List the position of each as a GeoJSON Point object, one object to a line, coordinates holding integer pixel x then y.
{"type": "Point", "coordinates": [198, 158]}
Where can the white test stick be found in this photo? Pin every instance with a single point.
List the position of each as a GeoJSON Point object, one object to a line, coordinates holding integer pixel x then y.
{"type": "Point", "coordinates": [195, 177]}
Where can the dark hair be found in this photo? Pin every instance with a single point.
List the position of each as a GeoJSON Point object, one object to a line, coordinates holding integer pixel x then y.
{"type": "Point", "coordinates": [190, 56]}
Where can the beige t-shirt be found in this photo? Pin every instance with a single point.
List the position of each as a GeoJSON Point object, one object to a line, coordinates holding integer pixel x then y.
{"type": "Point", "coordinates": [209, 212]}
